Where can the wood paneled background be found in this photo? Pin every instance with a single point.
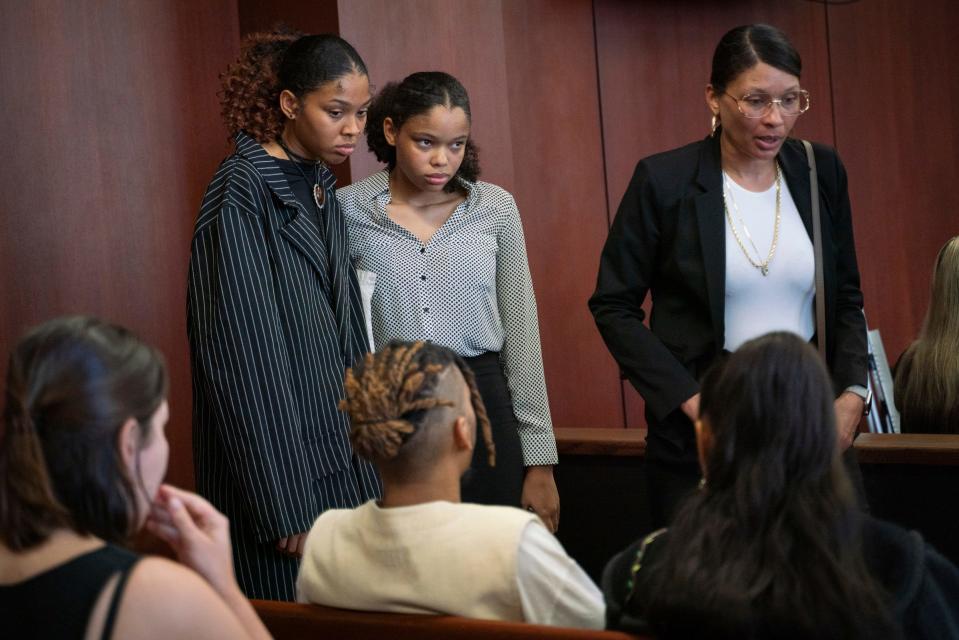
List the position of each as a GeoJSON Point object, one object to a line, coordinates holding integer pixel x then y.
{"type": "Point", "coordinates": [112, 131]}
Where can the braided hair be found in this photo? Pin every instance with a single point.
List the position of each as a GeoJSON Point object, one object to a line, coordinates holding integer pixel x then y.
{"type": "Point", "coordinates": [391, 394]}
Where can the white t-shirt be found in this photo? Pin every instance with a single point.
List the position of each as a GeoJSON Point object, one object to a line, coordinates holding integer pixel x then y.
{"type": "Point", "coordinates": [553, 588]}
{"type": "Point", "coordinates": [782, 300]}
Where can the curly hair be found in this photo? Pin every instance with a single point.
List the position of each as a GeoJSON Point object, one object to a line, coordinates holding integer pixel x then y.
{"type": "Point", "coordinates": [270, 63]}
{"type": "Point", "coordinates": [415, 95]}
{"type": "Point", "coordinates": [391, 394]}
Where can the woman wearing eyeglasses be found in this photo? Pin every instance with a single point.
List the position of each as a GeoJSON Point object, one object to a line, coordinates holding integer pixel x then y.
{"type": "Point", "coordinates": [719, 232]}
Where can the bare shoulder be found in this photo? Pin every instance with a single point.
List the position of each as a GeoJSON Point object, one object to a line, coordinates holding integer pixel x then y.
{"type": "Point", "coordinates": [163, 598]}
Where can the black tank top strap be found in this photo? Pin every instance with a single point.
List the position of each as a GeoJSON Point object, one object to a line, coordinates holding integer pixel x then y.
{"type": "Point", "coordinates": [70, 589]}
{"type": "Point", "coordinates": [115, 600]}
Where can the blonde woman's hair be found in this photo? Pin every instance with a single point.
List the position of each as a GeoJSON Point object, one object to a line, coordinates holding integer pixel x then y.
{"type": "Point", "coordinates": [927, 378]}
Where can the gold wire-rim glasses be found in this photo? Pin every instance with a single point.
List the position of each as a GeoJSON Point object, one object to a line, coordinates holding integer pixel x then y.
{"type": "Point", "coordinates": [770, 101]}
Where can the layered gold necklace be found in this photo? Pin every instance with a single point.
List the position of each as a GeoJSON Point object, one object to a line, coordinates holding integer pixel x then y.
{"type": "Point", "coordinates": [763, 266]}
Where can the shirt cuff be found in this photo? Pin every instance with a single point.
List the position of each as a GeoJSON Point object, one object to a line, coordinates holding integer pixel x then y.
{"type": "Point", "coordinates": [539, 448]}
{"type": "Point", "coordinates": [859, 390]}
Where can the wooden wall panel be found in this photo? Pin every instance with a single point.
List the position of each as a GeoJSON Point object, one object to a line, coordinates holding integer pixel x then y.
{"type": "Point", "coordinates": [530, 71]}
{"type": "Point", "coordinates": [654, 65]}
{"type": "Point", "coordinates": [896, 95]}
{"type": "Point", "coordinates": [112, 132]}
{"type": "Point", "coordinates": [112, 127]}
{"type": "Point", "coordinates": [464, 38]}
{"type": "Point", "coordinates": [315, 17]}
{"type": "Point", "coordinates": [559, 178]}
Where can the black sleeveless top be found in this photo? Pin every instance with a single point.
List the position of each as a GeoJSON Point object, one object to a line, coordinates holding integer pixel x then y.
{"type": "Point", "coordinates": [58, 602]}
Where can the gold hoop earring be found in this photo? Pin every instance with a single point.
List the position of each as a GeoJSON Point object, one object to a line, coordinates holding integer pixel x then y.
{"type": "Point", "coordinates": [714, 124]}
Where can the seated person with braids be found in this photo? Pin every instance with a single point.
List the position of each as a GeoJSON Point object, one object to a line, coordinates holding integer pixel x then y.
{"type": "Point", "coordinates": [415, 409]}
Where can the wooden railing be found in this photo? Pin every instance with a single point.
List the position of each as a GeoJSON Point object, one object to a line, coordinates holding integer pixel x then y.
{"type": "Point", "coordinates": [908, 448]}
{"type": "Point", "coordinates": [872, 448]}
{"type": "Point", "coordinates": [909, 479]}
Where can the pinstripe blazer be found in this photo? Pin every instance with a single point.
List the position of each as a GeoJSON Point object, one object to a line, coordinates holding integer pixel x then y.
{"type": "Point", "coordinates": [273, 318]}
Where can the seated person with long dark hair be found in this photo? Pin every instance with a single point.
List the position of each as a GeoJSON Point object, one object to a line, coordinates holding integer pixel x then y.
{"type": "Point", "coordinates": [414, 408]}
{"type": "Point", "coordinates": [927, 374]}
{"type": "Point", "coordinates": [772, 545]}
{"type": "Point", "coordinates": [82, 456]}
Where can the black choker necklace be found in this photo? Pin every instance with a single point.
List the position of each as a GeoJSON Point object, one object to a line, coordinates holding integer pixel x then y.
{"type": "Point", "coordinates": [319, 193]}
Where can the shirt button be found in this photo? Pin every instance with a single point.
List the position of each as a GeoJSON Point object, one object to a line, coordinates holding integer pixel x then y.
{"type": "Point", "coordinates": [426, 309]}
{"type": "Point", "coordinates": [423, 277]}
{"type": "Point", "coordinates": [422, 249]}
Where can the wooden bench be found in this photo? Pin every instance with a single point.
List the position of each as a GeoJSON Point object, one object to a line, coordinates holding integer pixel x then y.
{"type": "Point", "coordinates": [910, 479]}
{"type": "Point", "coordinates": [292, 621]}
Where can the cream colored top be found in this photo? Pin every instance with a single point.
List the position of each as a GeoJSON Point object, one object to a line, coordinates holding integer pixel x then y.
{"type": "Point", "coordinates": [477, 561]}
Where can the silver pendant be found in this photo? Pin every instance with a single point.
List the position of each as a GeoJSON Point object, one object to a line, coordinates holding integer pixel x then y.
{"type": "Point", "coordinates": [764, 269]}
{"type": "Point", "coordinates": [319, 196]}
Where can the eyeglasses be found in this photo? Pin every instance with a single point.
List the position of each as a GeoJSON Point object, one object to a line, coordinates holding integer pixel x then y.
{"type": "Point", "coordinates": [757, 105]}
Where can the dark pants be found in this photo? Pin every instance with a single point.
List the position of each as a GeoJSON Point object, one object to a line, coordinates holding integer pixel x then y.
{"type": "Point", "coordinates": [502, 484]}
{"type": "Point", "coordinates": [669, 484]}
{"type": "Point", "coordinates": [672, 465]}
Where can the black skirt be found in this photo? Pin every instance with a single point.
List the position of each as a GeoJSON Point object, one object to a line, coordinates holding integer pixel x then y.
{"type": "Point", "coordinates": [502, 484]}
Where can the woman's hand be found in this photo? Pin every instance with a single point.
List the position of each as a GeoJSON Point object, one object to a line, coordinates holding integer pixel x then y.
{"type": "Point", "coordinates": [541, 496]}
{"type": "Point", "coordinates": [198, 533]}
{"type": "Point", "coordinates": [849, 408]}
{"type": "Point", "coordinates": [292, 545]}
{"type": "Point", "coordinates": [691, 408]}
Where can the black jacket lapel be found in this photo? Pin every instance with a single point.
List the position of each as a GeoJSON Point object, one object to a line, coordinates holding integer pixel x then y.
{"type": "Point", "coordinates": [303, 234]}
{"type": "Point", "coordinates": [712, 232]}
{"type": "Point", "coordinates": [296, 227]}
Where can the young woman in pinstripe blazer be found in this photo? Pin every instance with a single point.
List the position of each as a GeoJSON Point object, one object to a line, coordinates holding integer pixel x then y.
{"type": "Point", "coordinates": [274, 312]}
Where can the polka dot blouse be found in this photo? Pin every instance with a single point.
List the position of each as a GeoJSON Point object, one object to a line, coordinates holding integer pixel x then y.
{"type": "Point", "coordinates": [468, 288]}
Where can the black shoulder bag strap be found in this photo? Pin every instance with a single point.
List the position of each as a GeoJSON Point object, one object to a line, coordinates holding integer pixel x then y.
{"type": "Point", "coordinates": [817, 248]}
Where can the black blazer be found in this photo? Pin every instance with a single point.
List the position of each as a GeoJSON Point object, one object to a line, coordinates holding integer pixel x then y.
{"type": "Point", "coordinates": [668, 239]}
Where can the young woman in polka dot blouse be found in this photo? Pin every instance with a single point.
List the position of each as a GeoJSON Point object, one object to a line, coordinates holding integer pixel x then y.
{"type": "Point", "coordinates": [445, 258]}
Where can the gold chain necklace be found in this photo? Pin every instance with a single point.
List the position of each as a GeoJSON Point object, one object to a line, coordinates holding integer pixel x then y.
{"type": "Point", "coordinates": [762, 266]}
